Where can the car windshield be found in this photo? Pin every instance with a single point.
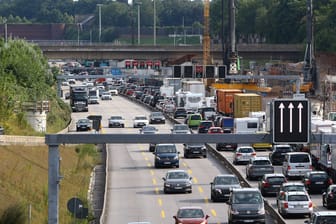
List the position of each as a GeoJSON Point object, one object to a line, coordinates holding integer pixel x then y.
{"type": "Point", "coordinates": [326, 220]}
{"type": "Point", "coordinates": [261, 162]}
{"type": "Point", "coordinates": [283, 149]}
{"type": "Point", "coordinates": [318, 176]}
{"type": "Point", "coordinates": [190, 213]}
{"type": "Point", "coordinates": [149, 128]}
{"type": "Point", "coordinates": [245, 150]}
{"type": "Point", "coordinates": [206, 124]}
{"type": "Point", "coordinates": [246, 198]}
{"type": "Point", "coordinates": [195, 117]}
{"type": "Point", "coordinates": [181, 127]}
{"type": "Point", "coordinates": [116, 118]}
{"type": "Point", "coordinates": [83, 121]}
{"type": "Point", "coordinates": [294, 188]}
{"type": "Point", "coordinates": [140, 118]}
{"type": "Point", "coordinates": [157, 114]}
{"type": "Point", "coordinates": [177, 175]}
{"type": "Point", "coordinates": [276, 180]}
{"type": "Point", "coordinates": [297, 198]}
{"type": "Point", "coordinates": [166, 149]}
{"type": "Point", "coordinates": [299, 158]}
{"type": "Point", "coordinates": [226, 180]}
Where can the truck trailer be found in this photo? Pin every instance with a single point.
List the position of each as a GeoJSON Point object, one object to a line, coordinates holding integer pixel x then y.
{"type": "Point", "coordinates": [79, 98]}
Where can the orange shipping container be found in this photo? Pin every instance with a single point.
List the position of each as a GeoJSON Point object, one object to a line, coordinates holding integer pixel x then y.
{"type": "Point", "coordinates": [224, 100]}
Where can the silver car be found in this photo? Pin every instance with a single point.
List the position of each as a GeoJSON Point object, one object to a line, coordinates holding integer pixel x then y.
{"type": "Point", "coordinates": [258, 166]}
{"type": "Point", "coordinates": [116, 121]}
{"type": "Point", "coordinates": [243, 154]}
{"type": "Point", "coordinates": [294, 203]}
{"type": "Point", "coordinates": [180, 129]}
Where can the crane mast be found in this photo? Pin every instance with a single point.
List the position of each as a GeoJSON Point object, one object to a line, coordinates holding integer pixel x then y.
{"type": "Point", "coordinates": [206, 35]}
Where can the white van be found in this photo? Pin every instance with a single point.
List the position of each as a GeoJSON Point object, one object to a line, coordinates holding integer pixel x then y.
{"type": "Point", "coordinates": [297, 164]}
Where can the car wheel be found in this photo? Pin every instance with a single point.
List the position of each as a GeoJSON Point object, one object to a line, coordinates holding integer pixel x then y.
{"type": "Point", "coordinates": [205, 156]}
{"type": "Point", "coordinates": [190, 191]}
{"type": "Point", "coordinates": [185, 155]}
{"type": "Point", "coordinates": [122, 125]}
{"type": "Point", "coordinates": [177, 166]}
{"type": "Point", "coordinates": [110, 126]}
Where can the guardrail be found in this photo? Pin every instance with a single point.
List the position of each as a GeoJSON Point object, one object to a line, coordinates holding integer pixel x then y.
{"type": "Point", "coordinates": [226, 163]}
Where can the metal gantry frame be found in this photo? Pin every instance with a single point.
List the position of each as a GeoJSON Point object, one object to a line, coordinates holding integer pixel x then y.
{"type": "Point", "coordinates": [54, 140]}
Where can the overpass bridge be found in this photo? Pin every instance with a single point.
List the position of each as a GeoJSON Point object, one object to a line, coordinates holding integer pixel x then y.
{"type": "Point", "coordinates": [110, 51]}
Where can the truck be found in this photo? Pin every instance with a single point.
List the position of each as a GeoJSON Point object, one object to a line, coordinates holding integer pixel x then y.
{"type": "Point", "coordinates": [246, 125]}
{"type": "Point", "coordinates": [167, 91]}
{"type": "Point", "coordinates": [244, 103]}
{"type": "Point", "coordinates": [190, 101]}
{"type": "Point", "coordinates": [79, 98]}
{"type": "Point", "coordinates": [193, 86]}
{"type": "Point", "coordinates": [224, 101]}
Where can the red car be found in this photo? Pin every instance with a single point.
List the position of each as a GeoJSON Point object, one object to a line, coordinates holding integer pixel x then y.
{"type": "Point", "coordinates": [191, 215]}
{"type": "Point", "coordinates": [215, 130]}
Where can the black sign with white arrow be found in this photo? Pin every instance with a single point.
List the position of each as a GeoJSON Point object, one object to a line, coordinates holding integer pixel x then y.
{"type": "Point", "coordinates": [291, 121]}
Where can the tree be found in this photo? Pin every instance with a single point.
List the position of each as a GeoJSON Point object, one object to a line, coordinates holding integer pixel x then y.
{"type": "Point", "coordinates": [13, 215]}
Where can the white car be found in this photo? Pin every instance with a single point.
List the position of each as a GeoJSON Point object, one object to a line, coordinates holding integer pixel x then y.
{"type": "Point", "coordinates": [140, 121]}
{"type": "Point", "coordinates": [113, 92]}
{"type": "Point", "coordinates": [106, 96]}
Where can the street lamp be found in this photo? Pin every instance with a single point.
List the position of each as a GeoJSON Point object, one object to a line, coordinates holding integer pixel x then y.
{"type": "Point", "coordinates": [138, 4]}
{"type": "Point", "coordinates": [154, 25]}
{"type": "Point", "coordinates": [5, 22]}
{"type": "Point", "coordinates": [99, 9]}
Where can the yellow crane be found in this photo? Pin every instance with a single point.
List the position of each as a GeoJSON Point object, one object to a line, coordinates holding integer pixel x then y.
{"type": "Point", "coordinates": [206, 35]}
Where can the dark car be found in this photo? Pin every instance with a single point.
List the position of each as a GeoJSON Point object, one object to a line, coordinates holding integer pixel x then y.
{"type": "Point", "coordinates": [83, 125]}
{"type": "Point", "coordinates": [271, 183]}
{"type": "Point", "coordinates": [194, 150]}
{"type": "Point", "coordinates": [221, 186]}
{"type": "Point", "coordinates": [316, 181]}
{"type": "Point", "coordinates": [226, 146]}
{"type": "Point", "coordinates": [191, 215]}
{"type": "Point", "coordinates": [322, 217]}
{"type": "Point", "coordinates": [157, 118]}
{"type": "Point", "coordinates": [246, 204]}
{"type": "Point", "coordinates": [177, 181]}
{"type": "Point", "coordinates": [329, 197]}
{"type": "Point", "coordinates": [277, 156]}
{"type": "Point", "coordinates": [180, 112]}
{"type": "Point", "coordinates": [166, 155]}
{"type": "Point", "coordinates": [204, 126]}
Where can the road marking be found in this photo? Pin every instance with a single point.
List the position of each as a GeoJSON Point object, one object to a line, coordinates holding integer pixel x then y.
{"type": "Point", "coordinates": [149, 164]}
{"type": "Point", "coordinates": [160, 201]}
{"type": "Point", "coordinates": [146, 158]}
{"type": "Point", "coordinates": [154, 181]}
{"type": "Point", "coordinates": [195, 180]}
{"type": "Point", "coordinates": [200, 189]}
{"type": "Point", "coordinates": [184, 164]}
{"type": "Point", "coordinates": [213, 212]}
{"type": "Point", "coordinates": [157, 191]}
{"type": "Point", "coordinates": [189, 171]}
{"type": "Point", "coordinates": [152, 172]}
{"type": "Point", "coordinates": [163, 215]}
{"type": "Point", "coordinates": [206, 200]}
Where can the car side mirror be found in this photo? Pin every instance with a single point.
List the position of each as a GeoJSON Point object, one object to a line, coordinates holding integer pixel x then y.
{"type": "Point", "coordinates": [306, 222]}
{"type": "Point", "coordinates": [228, 202]}
{"type": "Point", "coordinates": [163, 178]}
{"type": "Point", "coordinates": [211, 183]}
{"type": "Point", "coordinates": [207, 216]}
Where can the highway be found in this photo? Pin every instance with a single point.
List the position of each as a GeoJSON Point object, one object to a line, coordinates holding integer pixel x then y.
{"type": "Point", "coordinates": [134, 187]}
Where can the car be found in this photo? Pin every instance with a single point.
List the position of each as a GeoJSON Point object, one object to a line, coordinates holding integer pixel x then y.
{"type": "Point", "coordinates": [67, 95]}
{"type": "Point", "coordinates": [106, 96]}
{"type": "Point", "coordinates": [294, 203]}
{"type": "Point", "coordinates": [277, 156]}
{"type": "Point", "coordinates": [215, 130]}
{"type": "Point", "coordinates": [83, 124]}
{"type": "Point", "coordinates": [246, 205]}
{"type": "Point", "coordinates": [113, 92]}
{"type": "Point", "coordinates": [291, 186]}
{"type": "Point", "coordinates": [258, 166]}
{"type": "Point", "coordinates": [224, 146]}
{"type": "Point", "coordinates": [329, 197]}
{"type": "Point", "coordinates": [221, 186]}
{"type": "Point", "coordinates": [322, 217]}
{"type": "Point", "coordinates": [193, 120]}
{"type": "Point", "coordinates": [195, 150]}
{"type": "Point", "coordinates": [204, 126]}
{"type": "Point", "coordinates": [296, 164]}
{"type": "Point", "coordinates": [116, 121]}
{"type": "Point", "coordinates": [177, 181]}
{"type": "Point", "coordinates": [243, 154]}
{"type": "Point", "coordinates": [191, 215]}
{"type": "Point", "coordinates": [271, 183]}
{"type": "Point", "coordinates": [168, 108]}
{"type": "Point", "coordinates": [180, 112]}
{"type": "Point", "coordinates": [157, 118]}
{"type": "Point", "coordinates": [149, 129]}
{"type": "Point", "coordinates": [93, 100]}
{"type": "Point", "coordinates": [140, 121]}
{"type": "Point", "coordinates": [2, 130]}
{"type": "Point", "coordinates": [180, 129]}
{"type": "Point", "coordinates": [166, 155]}
{"type": "Point", "coordinates": [207, 112]}
{"type": "Point", "coordinates": [317, 181]}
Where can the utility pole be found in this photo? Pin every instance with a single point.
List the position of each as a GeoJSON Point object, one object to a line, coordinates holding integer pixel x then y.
{"type": "Point", "coordinates": [233, 57]}
{"type": "Point", "coordinates": [154, 21]}
{"type": "Point", "coordinates": [100, 31]}
{"type": "Point", "coordinates": [138, 3]}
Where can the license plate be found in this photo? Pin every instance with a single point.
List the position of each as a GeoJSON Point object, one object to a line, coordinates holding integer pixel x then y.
{"type": "Point", "coordinates": [195, 152]}
{"type": "Point", "coordinates": [318, 182]}
{"type": "Point", "coordinates": [166, 162]}
{"type": "Point", "coordinates": [178, 188]}
{"type": "Point", "coordinates": [298, 206]}
{"type": "Point", "coordinates": [276, 185]}
{"type": "Point", "coordinates": [249, 221]}
{"type": "Point", "coordinates": [262, 168]}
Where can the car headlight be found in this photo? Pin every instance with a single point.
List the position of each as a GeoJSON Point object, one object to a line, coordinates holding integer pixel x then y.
{"type": "Point", "coordinates": [176, 157]}
{"type": "Point", "coordinates": [261, 211]}
{"type": "Point", "coordinates": [218, 190]}
{"type": "Point", "coordinates": [167, 185]}
{"type": "Point", "coordinates": [204, 222]}
{"type": "Point", "coordinates": [188, 184]}
{"type": "Point", "coordinates": [158, 158]}
{"type": "Point", "coordinates": [234, 212]}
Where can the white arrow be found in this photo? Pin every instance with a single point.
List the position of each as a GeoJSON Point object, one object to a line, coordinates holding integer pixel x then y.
{"type": "Point", "coordinates": [281, 107]}
{"type": "Point", "coordinates": [290, 107]}
{"type": "Point", "coordinates": [300, 107]}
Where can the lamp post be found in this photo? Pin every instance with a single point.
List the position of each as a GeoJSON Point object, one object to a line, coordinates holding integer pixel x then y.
{"type": "Point", "coordinates": [138, 4]}
{"type": "Point", "coordinates": [5, 22]}
{"type": "Point", "coordinates": [99, 9]}
{"type": "Point", "coordinates": [154, 25]}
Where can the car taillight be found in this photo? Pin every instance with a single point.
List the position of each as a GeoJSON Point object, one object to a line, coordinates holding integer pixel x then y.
{"type": "Point", "coordinates": [310, 204]}
{"type": "Point", "coordinates": [311, 167]}
{"type": "Point", "coordinates": [253, 153]}
{"type": "Point", "coordinates": [286, 205]}
{"type": "Point", "coordinates": [330, 181]}
{"type": "Point", "coordinates": [331, 195]}
{"type": "Point", "coordinates": [308, 182]}
{"type": "Point", "coordinates": [238, 154]}
{"type": "Point", "coordinates": [266, 184]}
{"type": "Point", "coordinates": [288, 167]}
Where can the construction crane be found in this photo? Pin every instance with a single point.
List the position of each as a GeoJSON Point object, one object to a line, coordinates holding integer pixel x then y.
{"type": "Point", "coordinates": [206, 34]}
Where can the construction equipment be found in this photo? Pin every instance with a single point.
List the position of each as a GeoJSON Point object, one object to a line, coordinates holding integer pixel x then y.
{"type": "Point", "coordinates": [206, 35]}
